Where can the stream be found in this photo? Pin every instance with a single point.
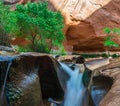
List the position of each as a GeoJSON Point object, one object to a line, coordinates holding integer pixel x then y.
{"type": "Point", "coordinates": [75, 93]}
{"type": "Point", "coordinates": [5, 68]}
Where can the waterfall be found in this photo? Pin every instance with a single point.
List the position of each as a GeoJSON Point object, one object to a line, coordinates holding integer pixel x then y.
{"type": "Point", "coordinates": [75, 90]}
{"type": "Point", "coordinates": [9, 61]}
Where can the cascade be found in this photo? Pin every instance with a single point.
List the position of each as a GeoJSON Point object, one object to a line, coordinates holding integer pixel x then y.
{"type": "Point", "coordinates": [75, 90]}
{"type": "Point", "coordinates": [5, 64]}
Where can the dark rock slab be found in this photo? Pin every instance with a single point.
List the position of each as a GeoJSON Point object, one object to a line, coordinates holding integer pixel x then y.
{"type": "Point", "coordinates": [35, 76]}
{"type": "Point", "coordinates": [48, 69]}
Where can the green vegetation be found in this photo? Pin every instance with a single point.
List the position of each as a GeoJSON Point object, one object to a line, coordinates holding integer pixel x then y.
{"type": "Point", "coordinates": [4, 17]}
{"type": "Point", "coordinates": [86, 77]}
{"type": "Point", "coordinates": [109, 41]}
{"type": "Point", "coordinates": [97, 55]}
{"type": "Point", "coordinates": [35, 23]}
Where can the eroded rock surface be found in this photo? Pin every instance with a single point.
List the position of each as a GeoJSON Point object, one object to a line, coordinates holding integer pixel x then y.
{"type": "Point", "coordinates": [26, 69]}
{"type": "Point", "coordinates": [32, 78]}
{"type": "Point", "coordinates": [112, 70]}
{"type": "Point", "coordinates": [48, 69]}
{"type": "Point", "coordinates": [85, 21]}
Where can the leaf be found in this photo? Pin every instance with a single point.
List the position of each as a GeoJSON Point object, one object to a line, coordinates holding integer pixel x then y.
{"type": "Point", "coordinates": [116, 31]}
{"type": "Point", "coordinates": [107, 30]}
{"type": "Point", "coordinates": [111, 43]}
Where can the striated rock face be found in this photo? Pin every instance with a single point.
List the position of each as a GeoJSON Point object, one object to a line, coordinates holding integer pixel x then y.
{"type": "Point", "coordinates": [85, 21]}
{"type": "Point", "coordinates": [112, 70]}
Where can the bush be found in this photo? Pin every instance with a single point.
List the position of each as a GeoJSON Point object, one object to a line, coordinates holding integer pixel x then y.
{"type": "Point", "coordinates": [109, 41]}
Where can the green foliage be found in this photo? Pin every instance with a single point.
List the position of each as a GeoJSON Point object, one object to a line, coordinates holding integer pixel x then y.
{"type": "Point", "coordinates": [110, 43]}
{"type": "Point", "coordinates": [4, 11]}
{"type": "Point", "coordinates": [4, 19]}
{"type": "Point", "coordinates": [35, 22]}
{"type": "Point", "coordinates": [60, 51]}
{"type": "Point", "coordinates": [22, 49]}
{"type": "Point", "coordinates": [111, 34]}
{"type": "Point", "coordinates": [107, 30]}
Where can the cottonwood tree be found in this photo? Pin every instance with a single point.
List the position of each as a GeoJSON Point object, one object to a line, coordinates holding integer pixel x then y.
{"type": "Point", "coordinates": [4, 17]}
{"type": "Point", "coordinates": [36, 23]}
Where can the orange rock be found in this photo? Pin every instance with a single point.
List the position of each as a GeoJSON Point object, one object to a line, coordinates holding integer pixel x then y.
{"type": "Point", "coordinates": [20, 41]}
{"type": "Point", "coordinates": [85, 21]}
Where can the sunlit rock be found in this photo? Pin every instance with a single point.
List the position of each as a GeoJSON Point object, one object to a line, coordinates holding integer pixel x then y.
{"type": "Point", "coordinates": [85, 21]}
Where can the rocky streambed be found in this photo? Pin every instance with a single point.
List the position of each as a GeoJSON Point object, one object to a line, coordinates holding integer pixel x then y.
{"type": "Point", "coordinates": [33, 78]}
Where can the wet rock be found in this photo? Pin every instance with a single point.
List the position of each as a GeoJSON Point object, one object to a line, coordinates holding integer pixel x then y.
{"type": "Point", "coordinates": [112, 70]}
{"type": "Point", "coordinates": [5, 64]}
{"type": "Point", "coordinates": [94, 64]}
{"type": "Point", "coordinates": [71, 58]}
{"type": "Point", "coordinates": [86, 77]}
{"type": "Point", "coordinates": [50, 72]}
{"type": "Point", "coordinates": [99, 88]}
{"type": "Point", "coordinates": [48, 68]}
{"type": "Point", "coordinates": [24, 77]}
{"type": "Point", "coordinates": [32, 73]}
{"type": "Point", "coordinates": [5, 48]}
{"type": "Point", "coordinates": [97, 85]}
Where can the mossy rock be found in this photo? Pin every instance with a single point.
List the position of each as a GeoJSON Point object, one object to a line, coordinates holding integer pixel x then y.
{"type": "Point", "coordinates": [86, 77]}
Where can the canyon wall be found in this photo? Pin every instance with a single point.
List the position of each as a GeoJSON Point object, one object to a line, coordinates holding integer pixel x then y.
{"type": "Point", "coordinates": [85, 21]}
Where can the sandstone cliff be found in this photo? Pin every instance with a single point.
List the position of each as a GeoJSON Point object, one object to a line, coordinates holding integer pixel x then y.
{"type": "Point", "coordinates": [85, 21]}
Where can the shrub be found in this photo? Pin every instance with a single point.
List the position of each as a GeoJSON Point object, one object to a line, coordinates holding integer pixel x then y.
{"type": "Point", "coordinates": [109, 41]}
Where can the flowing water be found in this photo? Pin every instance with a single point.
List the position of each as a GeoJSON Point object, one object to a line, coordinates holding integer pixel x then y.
{"type": "Point", "coordinates": [75, 89]}
{"type": "Point", "coordinates": [8, 60]}
{"type": "Point", "coordinates": [75, 93]}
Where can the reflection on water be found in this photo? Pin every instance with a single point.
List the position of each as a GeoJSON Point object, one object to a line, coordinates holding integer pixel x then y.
{"type": "Point", "coordinates": [99, 88]}
{"type": "Point", "coordinates": [97, 94]}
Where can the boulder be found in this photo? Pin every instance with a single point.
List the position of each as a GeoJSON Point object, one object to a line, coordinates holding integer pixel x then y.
{"type": "Point", "coordinates": [32, 78]}
{"type": "Point", "coordinates": [23, 86]}
{"type": "Point", "coordinates": [48, 69]}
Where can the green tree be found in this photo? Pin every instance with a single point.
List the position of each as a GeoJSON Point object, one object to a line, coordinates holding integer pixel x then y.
{"type": "Point", "coordinates": [36, 23]}
{"type": "Point", "coordinates": [109, 40]}
{"type": "Point", "coordinates": [4, 17]}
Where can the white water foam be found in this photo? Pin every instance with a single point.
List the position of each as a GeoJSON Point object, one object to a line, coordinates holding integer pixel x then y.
{"type": "Point", "coordinates": [75, 89]}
